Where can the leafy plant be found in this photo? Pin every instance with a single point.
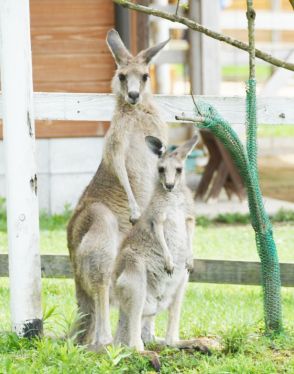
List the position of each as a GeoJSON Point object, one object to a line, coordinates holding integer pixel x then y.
{"type": "Point", "coordinates": [3, 220]}
{"type": "Point", "coordinates": [109, 363]}
{"type": "Point", "coordinates": [234, 339]}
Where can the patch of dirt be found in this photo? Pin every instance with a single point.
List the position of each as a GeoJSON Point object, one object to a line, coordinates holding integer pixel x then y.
{"type": "Point", "coordinates": [277, 176]}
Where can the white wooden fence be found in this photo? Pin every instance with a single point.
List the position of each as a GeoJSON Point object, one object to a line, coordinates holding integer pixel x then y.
{"type": "Point", "coordinates": [99, 107]}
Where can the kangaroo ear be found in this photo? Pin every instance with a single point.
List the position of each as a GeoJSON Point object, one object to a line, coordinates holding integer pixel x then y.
{"type": "Point", "coordinates": [184, 150]}
{"type": "Point", "coordinates": [117, 48]}
{"type": "Point", "coordinates": [155, 145]}
{"type": "Point", "coordinates": [147, 55]}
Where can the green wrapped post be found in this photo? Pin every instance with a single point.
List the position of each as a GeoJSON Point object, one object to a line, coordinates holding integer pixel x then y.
{"type": "Point", "coordinates": [211, 120]}
{"type": "Point", "coordinates": [261, 223]}
{"type": "Point", "coordinates": [208, 118]}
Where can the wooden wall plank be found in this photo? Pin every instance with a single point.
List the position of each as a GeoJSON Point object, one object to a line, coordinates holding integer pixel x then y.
{"type": "Point", "coordinates": [72, 68]}
{"type": "Point", "coordinates": [67, 129]}
{"type": "Point", "coordinates": [70, 55]}
{"type": "Point", "coordinates": [70, 129]}
{"type": "Point", "coordinates": [68, 86]}
{"type": "Point", "coordinates": [71, 12]}
{"type": "Point", "coordinates": [64, 39]}
{"type": "Point", "coordinates": [205, 271]}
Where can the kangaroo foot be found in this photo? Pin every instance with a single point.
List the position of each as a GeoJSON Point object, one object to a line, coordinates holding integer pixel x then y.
{"type": "Point", "coordinates": [153, 358]}
{"type": "Point", "coordinates": [203, 345]}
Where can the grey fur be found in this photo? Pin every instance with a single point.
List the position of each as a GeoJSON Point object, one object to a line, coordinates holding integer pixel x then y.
{"type": "Point", "coordinates": [147, 55]}
{"type": "Point", "coordinates": [151, 267]}
{"type": "Point", "coordinates": [117, 194]}
{"type": "Point", "coordinates": [119, 52]}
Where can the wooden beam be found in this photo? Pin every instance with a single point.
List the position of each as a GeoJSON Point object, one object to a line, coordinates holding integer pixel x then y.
{"type": "Point", "coordinates": [205, 271]}
{"type": "Point", "coordinates": [266, 20]}
{"type": "Point", "coordinates": [142, 28]}
{"type": "Point", "coordinates": [100, 107]}
{"type": "Point", "coordinates": [280, 78]}
{"type": "Point", "coordinates": [205, 51]}
{"type": "Point", "coordinates": [67, 129]}
{"type": "Point", "coordinates": [236, 272]}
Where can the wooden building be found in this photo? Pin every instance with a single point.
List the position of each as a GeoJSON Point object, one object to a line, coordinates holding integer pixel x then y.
{"type": "Point", "coordinates": [70, 54]}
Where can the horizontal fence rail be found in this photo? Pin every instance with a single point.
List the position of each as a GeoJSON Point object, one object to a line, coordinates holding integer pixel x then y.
{"type": "Point", "coordinates": [205, 271]}
{"type": "Point", "coordinates": [99, 107]}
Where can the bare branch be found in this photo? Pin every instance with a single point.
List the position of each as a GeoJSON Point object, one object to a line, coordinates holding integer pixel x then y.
{"type": "Point", "coordinates": [177, 8]}
{"type": "Point", "coordinates": [251, 93]}
{"type": "Point", "coordinates": [250, 14]}
{"type": "Point", "coordinates": [190, 119]}
{"type": "Point", "coordinates": [194, 102]}
{"type": "Point", "coordinates": [213, 34]}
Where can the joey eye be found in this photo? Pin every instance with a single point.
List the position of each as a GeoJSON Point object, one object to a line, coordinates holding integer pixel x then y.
{"type": "Point", "coordinates": [145, 77]}
{"type": "Point", "coordinates": [161, 169]}
{"type": "Point", "coordinates": [179, 170]}
{"type": "Point", "coordinates": [122, 77]}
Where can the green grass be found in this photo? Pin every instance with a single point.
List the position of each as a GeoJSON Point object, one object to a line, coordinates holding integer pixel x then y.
{"type": "Point", "coordinates": [276, 131]}
{"type": "Point", "coordinates": [235, 242]}
{"type": "Point", "coordinates": [230, 242]}
{"type": "Point", "coordinates": [233, 313]}
{"type": "Point", "coordinates": [241, 72]}
{"type": "Point", "coordinates": [47, 222]}
{"type": "Point", "coordinates": [234, 72]}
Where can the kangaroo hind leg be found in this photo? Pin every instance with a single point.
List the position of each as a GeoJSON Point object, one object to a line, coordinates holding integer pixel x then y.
{"type": "Point", "coordinates": [97, 253]}
{"type": "Point", "coordinates": [130, 288]}
{"type": "Point", "coordinates": [174, 312]}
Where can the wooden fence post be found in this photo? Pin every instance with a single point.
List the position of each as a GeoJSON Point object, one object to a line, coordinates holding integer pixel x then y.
{"type": "Point", "coordinates": [204, 51]}
{"type": "Point", "coordinates": [162, 70]}
{"type": "Point", "coordinates": [21, 178]}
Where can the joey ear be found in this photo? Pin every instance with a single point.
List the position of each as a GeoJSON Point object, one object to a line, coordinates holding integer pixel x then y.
{"type": "Point", "coordinates": [184, 150]}
{"type": "Point", "coordinates": [117, 48]}
{"type": "Point", "coordinates": [147, 55]}
{"type": "Point", "coordinates": [155, 145]}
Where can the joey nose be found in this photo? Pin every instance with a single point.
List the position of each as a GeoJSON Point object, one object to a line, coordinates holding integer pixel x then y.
{"type": "Point", "coordinates": [169, 187]}
{"type": "Point", "coordinates": [133, 95]}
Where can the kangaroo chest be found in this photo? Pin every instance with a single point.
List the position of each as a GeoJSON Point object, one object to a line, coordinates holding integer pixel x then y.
{"type": "Point", "coordinates": [161, 287]}
{"type": "Point", "coordinates": [175, 233]}
{"type": "Point", "coordinates": [140, 162]}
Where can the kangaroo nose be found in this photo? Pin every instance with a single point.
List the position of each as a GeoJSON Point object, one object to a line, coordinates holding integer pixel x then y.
{"type": "Point", "coordinates": [169, 187]}
{"type": "Point", "coordinates": [133, 95]}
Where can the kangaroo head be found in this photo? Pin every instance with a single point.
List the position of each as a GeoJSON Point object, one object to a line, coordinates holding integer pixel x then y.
{"type": "Point", "coordinates": [171, 164]}
{"type": "Point", "coordinates": [131, 79]}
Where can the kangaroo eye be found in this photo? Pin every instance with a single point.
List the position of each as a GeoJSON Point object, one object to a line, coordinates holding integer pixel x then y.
{"type": "Point", "coordinates": [145, 77]}
{"type": "Point", "coordinates": [179, 170]}
{"type": "Point", "coordinates": [161, 169]}
{"type": "Point", "coordinates": [122, 77]}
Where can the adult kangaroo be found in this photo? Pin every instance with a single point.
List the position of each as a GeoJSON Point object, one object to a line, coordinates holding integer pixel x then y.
{"type": "Point", "coordinates": [119, 191]}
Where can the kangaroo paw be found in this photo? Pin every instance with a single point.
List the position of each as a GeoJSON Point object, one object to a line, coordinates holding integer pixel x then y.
{"type": "Point", "coordinates": [190, 264]}
{"type": "Point", "coordinates": [135, 215]}
{"type": "Point", "coordinates": [169, 266]}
